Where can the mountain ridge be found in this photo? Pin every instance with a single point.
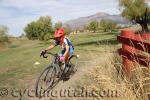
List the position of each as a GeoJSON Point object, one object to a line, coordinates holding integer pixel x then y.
{"type": "Point", "coordinates": [79, 23]}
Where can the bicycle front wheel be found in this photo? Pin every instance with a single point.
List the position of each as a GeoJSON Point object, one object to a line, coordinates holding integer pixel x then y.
{"type": "Point", "coordinates": [45, 81]}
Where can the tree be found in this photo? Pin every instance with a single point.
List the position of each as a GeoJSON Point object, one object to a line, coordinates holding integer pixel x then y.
{"type": "Point", "coordinates": [22, 35]}
{"type": "Point", "coordinates": [3, 34]}
{"type": "Point", "coordinates": [92, 26]}
{"type": "Point", "coordinates": [3, 29]}
{"type": "Point", "coordinates": [58, 25]}
{"type": "Point", "coordinates": [137, 11]}
{"type": "Point", "coordinates": [112, 26]}
{"type": "Point", "coordinates": [108, 25]}
{"type": "Point", "coordinates": [38, 29]}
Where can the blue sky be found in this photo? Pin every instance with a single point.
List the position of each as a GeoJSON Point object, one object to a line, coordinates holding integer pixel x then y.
{"type": "Point", "coordinates": [16, 14]}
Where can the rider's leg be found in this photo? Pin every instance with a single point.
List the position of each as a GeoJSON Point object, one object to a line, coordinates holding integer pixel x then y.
{"type": "Point", "coordinates": [67, 58]}
{"type": "Point", "coordinates": [71, 50]}
{"type": "Point", "coordinates": [70, 53]}
{"type": "Point", "coordinates": [66, 65]}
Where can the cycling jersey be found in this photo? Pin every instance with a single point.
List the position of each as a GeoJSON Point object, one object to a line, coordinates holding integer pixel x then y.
{"type": "Point", "coordinates": [63, 46]}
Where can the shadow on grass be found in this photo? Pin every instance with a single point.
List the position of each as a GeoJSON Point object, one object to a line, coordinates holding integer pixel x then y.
{"type": "Point", "coordinates": [102, 34]}
{"type": "Point", "coordinates": [99, 42]}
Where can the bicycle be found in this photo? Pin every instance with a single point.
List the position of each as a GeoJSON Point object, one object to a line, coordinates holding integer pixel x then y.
{"type": "Point", "coordinates": [54, 73]}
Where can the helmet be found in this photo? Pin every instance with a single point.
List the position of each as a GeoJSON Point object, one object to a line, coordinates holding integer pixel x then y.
{"type": "Point", "coordinates": [59, 33]}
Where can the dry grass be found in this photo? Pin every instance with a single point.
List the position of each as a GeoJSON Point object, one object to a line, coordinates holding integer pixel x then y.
{"type": "Point", "coordinates": [110, 76]}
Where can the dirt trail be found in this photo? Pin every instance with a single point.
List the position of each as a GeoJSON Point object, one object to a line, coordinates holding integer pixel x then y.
{"type": "Point", "coordinates": [85, 67]}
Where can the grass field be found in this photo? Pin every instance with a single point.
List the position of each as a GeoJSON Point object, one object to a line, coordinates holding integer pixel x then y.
{"type": "Point", "coordinates": [96, 52]}
{"type": "Point", "coordinates": [17, 61]}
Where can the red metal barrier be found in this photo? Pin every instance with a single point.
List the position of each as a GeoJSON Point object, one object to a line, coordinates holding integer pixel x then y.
{"type": "Point", "coordinates": [142, 37]}
{"type": "Point", "coordinates": [131, 43]}
{"type": "Point", "coordinates": [135, 57]}
{"type": "Point", "coordinates": [128, 64]}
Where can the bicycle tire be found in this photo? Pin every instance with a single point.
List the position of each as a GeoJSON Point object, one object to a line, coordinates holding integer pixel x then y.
{"type": "Point", "coordinates": [75, 56]}
{"type": "Point", "coordinates": [73, 65]}
{"type": "Point", "coordinates": [46, 76]}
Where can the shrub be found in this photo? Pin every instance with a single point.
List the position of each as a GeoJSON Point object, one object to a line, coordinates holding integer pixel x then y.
{"type": "Point", "coordinates": [3, 34]}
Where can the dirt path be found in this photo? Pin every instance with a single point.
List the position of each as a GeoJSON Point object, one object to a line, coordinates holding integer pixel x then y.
{"type": "Point", "coordinates": [85, 67]}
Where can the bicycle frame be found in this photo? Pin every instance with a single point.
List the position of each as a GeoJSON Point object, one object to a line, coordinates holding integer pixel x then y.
{"type": "Point", "coordinates": [52, 74]}
{"type": "Point", "coordinates": [56, 63]}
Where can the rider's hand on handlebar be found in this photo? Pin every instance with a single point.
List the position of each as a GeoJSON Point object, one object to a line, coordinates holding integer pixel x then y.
{"type": "Point", "coordinates": [42, 53]}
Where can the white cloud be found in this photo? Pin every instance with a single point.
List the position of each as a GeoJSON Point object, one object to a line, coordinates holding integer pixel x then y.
{"type": "Point", "coordinates": [16, 25]}
{"type": "Point", "coordinates": [17, 13]}
{"type": "Point", "coordinates": [4, 13]}
{"type": "Point", "coordinates": [28, 4]}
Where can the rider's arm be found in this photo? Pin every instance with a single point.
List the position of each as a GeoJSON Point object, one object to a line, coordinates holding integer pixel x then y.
{"type": "Point", "coordinates": [55, 43]}
{"type": "Point", "coordinates": [50, 47]}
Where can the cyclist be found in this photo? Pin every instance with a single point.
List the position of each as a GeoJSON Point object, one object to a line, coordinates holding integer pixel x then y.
{"type": "Point", "coordinates": [65, 44]}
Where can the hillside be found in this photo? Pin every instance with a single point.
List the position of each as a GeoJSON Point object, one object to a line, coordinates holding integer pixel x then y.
{"type": "Point", "coordinates": [79, 23]}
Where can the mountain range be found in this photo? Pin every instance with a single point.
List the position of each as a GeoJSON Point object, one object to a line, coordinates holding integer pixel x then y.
{"type": "Point", "coordinates": [79, 23]}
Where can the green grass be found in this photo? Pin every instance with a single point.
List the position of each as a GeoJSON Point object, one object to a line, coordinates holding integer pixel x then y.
{"type": "Point", "coordinates": [17, 61]}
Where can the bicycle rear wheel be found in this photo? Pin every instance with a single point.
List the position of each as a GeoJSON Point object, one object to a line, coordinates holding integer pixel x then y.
{"type": "Point", "coordinates": [45, 81]}
{"type": "Point", "coordinates": [73, 62]}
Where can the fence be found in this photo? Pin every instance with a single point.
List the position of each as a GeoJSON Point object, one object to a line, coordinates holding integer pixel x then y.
{"type": "Point", "coordinates": [135, 48]}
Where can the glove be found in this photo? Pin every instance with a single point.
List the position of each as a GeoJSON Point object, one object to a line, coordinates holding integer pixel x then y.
{"type": "Point", "coordinates": [61, 58]}
{"type": "Point", "coordinates": [42, 52]}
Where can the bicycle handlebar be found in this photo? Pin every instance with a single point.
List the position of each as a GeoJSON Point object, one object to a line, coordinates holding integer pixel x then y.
{"type": "Point", "coordinates": [44, 52]}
